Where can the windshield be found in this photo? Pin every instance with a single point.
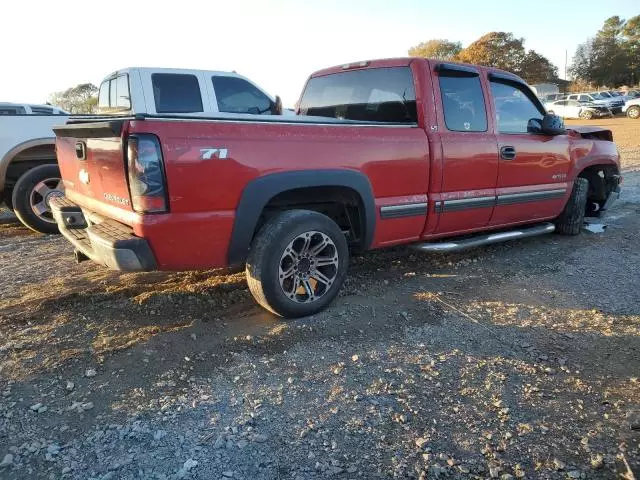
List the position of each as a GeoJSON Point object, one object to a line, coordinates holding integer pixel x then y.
{"type": "Point", "coordinates": [596, 96]}
{"type": "Point", "coordinates": [605, 94]}
{"type": "Point", "coordinates": [374, 95]}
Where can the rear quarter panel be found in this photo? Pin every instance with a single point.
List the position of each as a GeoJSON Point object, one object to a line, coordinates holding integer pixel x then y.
{"type": "Point", "coordinates": [395, 160]}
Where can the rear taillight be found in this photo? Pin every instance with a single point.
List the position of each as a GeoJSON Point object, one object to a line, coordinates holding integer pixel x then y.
{"type": "Point", "coordinates": [146, 174]}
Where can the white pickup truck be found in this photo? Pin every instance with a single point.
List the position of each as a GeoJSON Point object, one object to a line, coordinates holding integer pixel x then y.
{"type": "Point", "coordinates": [29, 175]}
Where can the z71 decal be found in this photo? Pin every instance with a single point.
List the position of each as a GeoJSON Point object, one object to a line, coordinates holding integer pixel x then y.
{"type": "Point", "coordinates": [209, 153]}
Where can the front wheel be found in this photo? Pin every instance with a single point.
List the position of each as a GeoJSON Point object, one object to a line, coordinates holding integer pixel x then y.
{"type": "Point", "coordinates": [31, 196]}
{"type": "Point", "coordinates": [297, 263]}
{"type": "Point", "coordinates": [572, 217]}
{"type": "Point", "coordinates": [633, 112]}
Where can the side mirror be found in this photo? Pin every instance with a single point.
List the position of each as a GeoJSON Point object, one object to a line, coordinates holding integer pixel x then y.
{"type": "Point", "coordinates": [276, 107]}
{"type": "Point", "coordinates": [534, 125]}
{"type": "Point", "coordinates": [552, 125]}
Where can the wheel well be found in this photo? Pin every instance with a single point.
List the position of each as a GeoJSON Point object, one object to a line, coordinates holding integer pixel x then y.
{"type": "Point", "coordinates": [26, 160]}
{"type": "Point", "coordinates": [342, 204]}
{"type": "Point", "coordinates": [602, 181]}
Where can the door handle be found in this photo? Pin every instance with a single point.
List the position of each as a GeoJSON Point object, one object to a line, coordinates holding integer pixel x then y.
{"type": "Point", "coordinates": [507, 153]}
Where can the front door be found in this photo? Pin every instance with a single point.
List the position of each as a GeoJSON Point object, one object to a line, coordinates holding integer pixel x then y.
{"type": "Point", "coordinates": [469, 156]}
{"type": "Point", "coordinates": [532, 171]}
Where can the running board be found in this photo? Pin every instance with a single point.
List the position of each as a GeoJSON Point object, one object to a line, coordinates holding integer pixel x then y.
{"type": "Point", "coordinates": [485, 239]}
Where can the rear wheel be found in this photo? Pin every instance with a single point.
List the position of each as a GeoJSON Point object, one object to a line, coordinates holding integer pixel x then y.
{"type": "Point", "coordinates": [297, 263]}
{"type": "Point", "coordinates": [572, 217]}
{"type": "Point", "coordinates": [31, 196]}
{"type": "Point", "coordinates": [633, 112]}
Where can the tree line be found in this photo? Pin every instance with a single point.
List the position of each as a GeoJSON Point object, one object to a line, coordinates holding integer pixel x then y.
{"type": "Point", "coordinates": [610, 58]}
{"type": "Point", "coordinates": [81, 99]}
{"type": "Point", "coordinates": [494, 49]}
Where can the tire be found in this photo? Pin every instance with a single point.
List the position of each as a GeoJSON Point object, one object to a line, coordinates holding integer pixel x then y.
{"type": "Point", "coordinates": [633, 112]}
{"type": "Point", "coordinates": [288, 236]}
{"type": "Point", "coordinates": [572, 217]}
{"type": "Point", "coordinates": [31, 195]}
{"type": "Point", "coordinates": [586, 115]}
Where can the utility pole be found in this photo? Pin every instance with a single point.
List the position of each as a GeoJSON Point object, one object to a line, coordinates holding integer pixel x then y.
{"type": "Point", "coordinates": [565, 63]}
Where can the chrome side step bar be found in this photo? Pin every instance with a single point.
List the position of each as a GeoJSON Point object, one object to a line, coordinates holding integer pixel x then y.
{"type": "Point", "coordinates": [485, 239]}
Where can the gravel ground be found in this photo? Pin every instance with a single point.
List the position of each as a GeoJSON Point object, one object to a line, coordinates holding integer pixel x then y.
{"type": "Point", "coordinates": [520, 360]}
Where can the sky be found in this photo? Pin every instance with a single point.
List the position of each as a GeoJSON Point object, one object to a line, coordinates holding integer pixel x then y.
{"type": "Point", "coordinates": [48, 46]}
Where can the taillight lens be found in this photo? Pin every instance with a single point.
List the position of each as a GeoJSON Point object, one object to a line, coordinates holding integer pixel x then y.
{"type": "Point", "coordinates": [146, 174]}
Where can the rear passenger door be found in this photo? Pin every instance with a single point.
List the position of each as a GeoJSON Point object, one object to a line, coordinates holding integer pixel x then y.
{"type": "Point", "coordinates": [533, 168]}
{"type": "Point", "coordinates": [469, 160]}
{"type": "Point", "coordinates": [573, 109]}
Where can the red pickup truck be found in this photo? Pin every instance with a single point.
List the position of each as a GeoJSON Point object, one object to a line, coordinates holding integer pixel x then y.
{"type": "Point", "coordinates": [399, 151]}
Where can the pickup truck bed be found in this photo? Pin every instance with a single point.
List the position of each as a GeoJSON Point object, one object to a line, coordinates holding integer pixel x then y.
{"type": "Point", "coordinates": [292, 195]}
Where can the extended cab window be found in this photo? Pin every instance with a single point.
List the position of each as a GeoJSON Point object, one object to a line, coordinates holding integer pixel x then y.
{"type": "Point", "coordinates": [462, 102]}
{"type": "Point", "coordinates": [372, 95]}
{"type": "Point", "coordinates": [236, 95]}
{"type": "Point", "coordinates": [114, 95]}
{"type": "Point", "coordinates": [176, 93]}
{"type": "Point", "coordinates": [514, 107]}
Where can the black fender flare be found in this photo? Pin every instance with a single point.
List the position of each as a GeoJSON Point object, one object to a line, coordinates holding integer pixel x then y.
{"type": "Point", "coordinates": [257, 194]}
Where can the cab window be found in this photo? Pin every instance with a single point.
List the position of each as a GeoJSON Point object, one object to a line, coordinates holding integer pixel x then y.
{"type": "Point", "coordinates": [462, 102]}
{"type": "Point", "coordinates": [236, 95]}
{"type": "Point", "coordinates": [114, 95]}
{"type": "Point", "coordinates": [176, 93]}
{"type": "Point", "coordinates": [370, 95]}
{"type": "Point", "coordinates": [515, 107]}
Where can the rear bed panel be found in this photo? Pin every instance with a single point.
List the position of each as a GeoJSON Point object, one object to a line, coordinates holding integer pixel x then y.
{"type": "Point", "coordinates": [197, 184]}
{"type": "Point", "coordinates": [208, 164]}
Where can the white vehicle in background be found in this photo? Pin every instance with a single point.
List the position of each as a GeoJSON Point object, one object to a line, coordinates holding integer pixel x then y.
{"type": "Point", "coordinates": [164, 91]}
{"type": "Point", "coordinates": [29, 175]}
{"type": "Point", "coordinates": [576, 109]}
{"type": "Point", "coordinates": [614, 104]}
{"type": "Point", "coordinates": [632, 108]}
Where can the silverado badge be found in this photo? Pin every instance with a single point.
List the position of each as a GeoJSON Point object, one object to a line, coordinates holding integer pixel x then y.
{"type": "Point", "coordinates": [116, 199]}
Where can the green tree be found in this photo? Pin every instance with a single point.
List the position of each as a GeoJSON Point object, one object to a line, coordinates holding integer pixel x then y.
{"type": "Point", "coordinates": [631, 43]}
{"type": "Point", "coordinates": [436, 48]}
{"type": "Point", "coordinates": [581, 66]}
{"type": "Point", "coordinates": [82, 98]}
{"type": "Point", "coordinates": [496, 49]}
{"type": "Point", "coordinates": [611, 57]}
{"type": "Point", "coordinates": [536, 68]}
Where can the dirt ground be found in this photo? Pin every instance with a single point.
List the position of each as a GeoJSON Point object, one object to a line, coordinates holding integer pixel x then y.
{"type": "Point", "coordinates": [519, 360]}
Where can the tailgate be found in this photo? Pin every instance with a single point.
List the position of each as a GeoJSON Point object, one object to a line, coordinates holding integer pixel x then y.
{"type": "Point", "coordinates": [92, 161]}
